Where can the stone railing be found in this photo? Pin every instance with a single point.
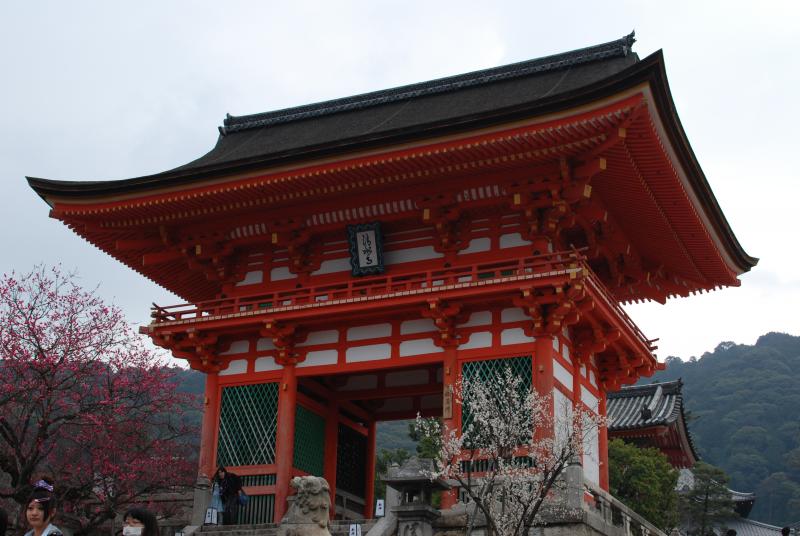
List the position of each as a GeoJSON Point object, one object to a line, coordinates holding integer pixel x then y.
{"type": "Point", "coordinates": [619, 518]}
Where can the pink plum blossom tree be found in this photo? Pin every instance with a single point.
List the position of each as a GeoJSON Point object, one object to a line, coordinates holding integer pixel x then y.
{"type": "Point", "coordinates": [83, 400]}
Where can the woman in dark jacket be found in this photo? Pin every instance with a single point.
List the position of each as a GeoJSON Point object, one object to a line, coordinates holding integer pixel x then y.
{"type": "Point", "coordinates": [230, 487]}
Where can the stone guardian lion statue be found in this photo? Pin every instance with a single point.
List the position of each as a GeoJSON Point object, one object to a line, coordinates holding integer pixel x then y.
{"type": "Point", "coordinates": [309, 513]}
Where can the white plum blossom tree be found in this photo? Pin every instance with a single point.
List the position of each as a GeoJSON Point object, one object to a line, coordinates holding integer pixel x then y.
{"type": "Point", "coordinates": [511, 451]}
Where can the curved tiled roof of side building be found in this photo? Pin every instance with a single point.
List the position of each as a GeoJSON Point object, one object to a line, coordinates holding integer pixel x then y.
{"type": "Point", "coordinates": [643, 406]}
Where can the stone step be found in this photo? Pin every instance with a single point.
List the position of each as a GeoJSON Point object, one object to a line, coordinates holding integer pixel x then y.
{"type": "Point", "coordinates": [337, 528]}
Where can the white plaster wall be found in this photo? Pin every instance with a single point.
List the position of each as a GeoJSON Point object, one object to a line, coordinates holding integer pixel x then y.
{"type": "Point", "coordinates": [562, 375]}
{"type": "Point", "coordinates": [589, 399]}
{"type": "Point", "coordinates": [370, 352]}
{"type": "Point", "coordinates": [237, 347]}
{"type": "Point", "coordinates": [321, 357]}
{"type": "Point", "coordinates": [418, 347]}
{"type": "Point", "coordinates": [480, 339]}
{"type": "Point", "coordinates": [373, 331]}
{"type": "Point", "coordinates": [263, 344]}
{"type": "Point", "coordinates": [513, 314]}
{"type": "Point", "coordinates": [238, 366]}
{"type": "Point", "coordinates": [421, 325]}
{"type": "Point", "coordinates": [266, 363]}
{"type": "Point", "coordinates": [477, 245]}
{"type": "Point", "coordinates": [591, 459]}
{"type": "Point", "coordinates": [515, 336]}
{"type": "Point", "coordinates": [562, 411]}
{"type": "Point", "coordinates": [333, 265]}
{"type": "Point", "coordinates": [513, 240]}
{"type": "Point", "coordinates": [327, 336]}
{"type": "Point", "coordinates": [400, 256]}
{"type": "Point", "coordinates": [281, 273]}
{"type": "Point", "coordinates": [251, 278]}
{"type": "Point", "coordinates": [478, 318]}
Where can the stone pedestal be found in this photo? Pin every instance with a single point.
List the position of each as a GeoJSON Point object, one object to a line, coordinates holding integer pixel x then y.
{"type": "Point", "coordinates": [415, 519]}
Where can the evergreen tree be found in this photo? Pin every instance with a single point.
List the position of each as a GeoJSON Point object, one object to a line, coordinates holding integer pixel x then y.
{"type": "Point", "coordinates": [643, 479]}
{"type": "Point", "coordinates": [708, 501]}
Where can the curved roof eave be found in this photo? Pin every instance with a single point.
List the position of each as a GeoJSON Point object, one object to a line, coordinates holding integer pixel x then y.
{"type": "Point", "coordinates": [650, 70]}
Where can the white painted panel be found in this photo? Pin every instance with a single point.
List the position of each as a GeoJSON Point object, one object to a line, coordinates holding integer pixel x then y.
{"type": "Point", "coordinates": [251, 278]}
{"type": "Point", "coordinates": [513, 240]}
{"type": "Point", "coordinates": [406, 377]}
{"type": "Point", "coordinates": [264, 343]}
{"type": "Point", "coordinates": [515, 336]}
{"type": "Point", "coordinates": [480, 339]}
{"type": "Point", "coordinates": [418, 347]}
{"type": "Point", "coordinates": [478, 318]}
{"type": "Point", "coordinates": [399, 256]}
{"type": "Point", "coordinates": [371, 352]}
{"type": "Point", "coordinates": [555, 344]}
{"type": "Point", "coordinates": [592, 378]}
{"type": "Point", "coordinates": [327, 336]}
{"type": "Point", "coordinates": [431, 401]}
{"type": "Point", "coordinates": [239, 366]}
{"type": "Point", "coordinates": [279, 274]}
{"type": "Point", "coordinates": [565, 352]}
{"type": "Point", "coordinates": [591, 458]}
{"type": "Point", "coordinates": [237, 347]}
{"type": "Point", "coordinates": [421, 325]}
{"type": "Point", "coordinates": [321, 357]}
{"type": "Point", "coordinates": [358, 383]}
{"type": "Point", "coordinates": [266, 363]}
{"type": "Point", "coordinates": [476, 245]}
{"type": "Point", "coordinates": [333, 266]}
{"type": "Point", "coordinates": [513, 314]}
{"type": "Point", "coordinates": [562, 374]}
{"type": "Point", "coordinates": [373, 331]}
{"type": "Point", "coordinates": [589, 399]}
{"type": "Point", "coordinates": [562, 411]}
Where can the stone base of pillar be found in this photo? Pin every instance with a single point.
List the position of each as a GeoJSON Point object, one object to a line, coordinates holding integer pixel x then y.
{"type": "Point", "coordinates": [202, 498]}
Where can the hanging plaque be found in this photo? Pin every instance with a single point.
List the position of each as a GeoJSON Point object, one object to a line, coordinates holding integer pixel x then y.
{"type": "Point", "coordinates": [366, 248]}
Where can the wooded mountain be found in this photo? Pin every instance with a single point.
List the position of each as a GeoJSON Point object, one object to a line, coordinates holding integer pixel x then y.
{"type": "Point", "coordinates": [743, 403]}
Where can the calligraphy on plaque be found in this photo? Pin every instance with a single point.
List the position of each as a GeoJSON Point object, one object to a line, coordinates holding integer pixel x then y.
{"type": "Point", "coordinates": [366, 248]}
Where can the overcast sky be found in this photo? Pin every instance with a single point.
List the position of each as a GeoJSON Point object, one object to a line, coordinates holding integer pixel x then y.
{"type": "Point", "coordinates": [107, 90]}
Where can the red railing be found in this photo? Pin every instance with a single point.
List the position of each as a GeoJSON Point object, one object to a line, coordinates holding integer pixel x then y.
{"type": "Point", "coordinates": [369, 286]}
{"type": "Point", "coordinates": [374, 287]}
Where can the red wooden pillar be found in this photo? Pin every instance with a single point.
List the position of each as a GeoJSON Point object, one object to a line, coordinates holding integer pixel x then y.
{"type": "Point", "coordinates": [543, 366]}
{"type": "Point", "coordinates": [284, 448]}
{"type": "Point", "coordinates": [331, 450]}
{"type": "Point", "coordinates": [602, 448]}
{"type": "Point", "coordinates": [209, 427]}
{"type": "Point", "coordinates": [451, 412]}
{"type": "Point", "coordinates": [369, 495]}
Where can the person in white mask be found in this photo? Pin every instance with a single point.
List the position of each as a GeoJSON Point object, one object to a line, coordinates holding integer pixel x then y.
{"type": "Point", "coordinates": [139, 522]}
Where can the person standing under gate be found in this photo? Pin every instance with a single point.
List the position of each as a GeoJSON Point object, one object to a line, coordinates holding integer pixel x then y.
{"type": "Point", "coordinates": [230, 487]}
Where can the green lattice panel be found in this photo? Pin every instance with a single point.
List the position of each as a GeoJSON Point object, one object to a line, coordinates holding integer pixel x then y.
{"type": "Point", "coordinates": [351, 460]}
{"type": "Point", "coordinates": [489, 371]}
{"type": "Point", "coordinates": [247, 424]}
{"type": "Point", "coordinates": [259, 509]}
{"type": "Point", "coordinates": [309, 441]}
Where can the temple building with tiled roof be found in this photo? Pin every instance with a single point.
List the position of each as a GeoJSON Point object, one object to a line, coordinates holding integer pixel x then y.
{"type": "Point", "coordinates": [653, 416]}
{"type": "Point", "coordinates": [346, 262]}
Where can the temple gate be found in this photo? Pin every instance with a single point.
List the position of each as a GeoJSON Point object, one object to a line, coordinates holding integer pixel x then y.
{"type": "Point", "coordinates": [344, 262]}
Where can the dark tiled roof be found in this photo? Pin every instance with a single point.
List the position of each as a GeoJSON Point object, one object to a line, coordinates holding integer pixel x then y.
{"type": "Point", "coordinates": [618, 48]}
{"type": "Point", "coordinates": [423, 109]}
{"type": "Point", "coordinates": [642, 406]}
{"type": "Point", "coordinates": [748, 527]}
